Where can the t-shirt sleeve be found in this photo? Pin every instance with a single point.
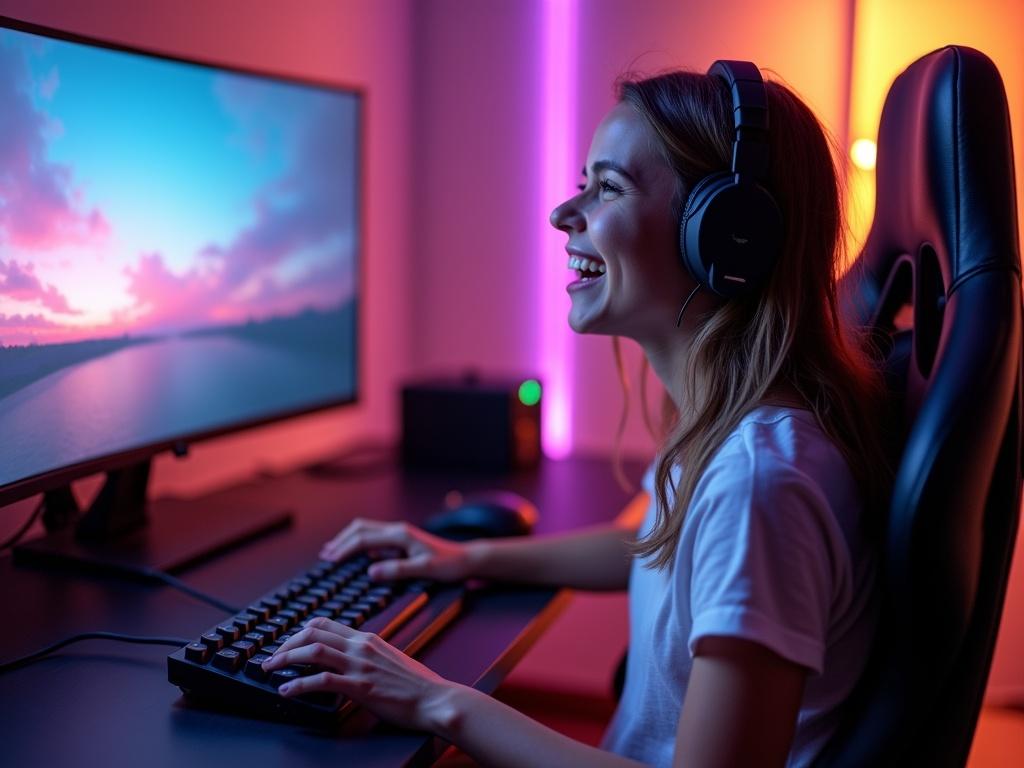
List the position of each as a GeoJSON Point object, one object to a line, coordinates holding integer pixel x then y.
{"type": "Point", "coordinates": [767, 554]}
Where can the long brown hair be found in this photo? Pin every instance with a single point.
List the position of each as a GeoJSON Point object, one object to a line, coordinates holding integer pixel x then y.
{"type": "Point", "coordinates": [787, 333]}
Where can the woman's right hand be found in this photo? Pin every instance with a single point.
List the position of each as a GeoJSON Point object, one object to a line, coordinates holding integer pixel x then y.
{"type": "Point", "coordinates": [426, 556]}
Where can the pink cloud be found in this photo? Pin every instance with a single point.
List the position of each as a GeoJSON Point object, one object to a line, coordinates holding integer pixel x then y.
{"type": "Point", "coordinates": [165, 301]}
{"type": "Point", "coordinates": [318, 195]}
{"type": "Point", "coordinates": [20, 282]}
{"type": "Point", "coordinates": [25, 321]}
{"type": "Point", "coordinates": [38, 208]}
{"type": "Point", "coordinates": [26, 329]}
{"type": "Point", "coordinates": [304, 210]}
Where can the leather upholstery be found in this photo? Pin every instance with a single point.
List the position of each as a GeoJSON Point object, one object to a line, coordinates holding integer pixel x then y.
{"type": "Point", "coordinates": [944, 240]}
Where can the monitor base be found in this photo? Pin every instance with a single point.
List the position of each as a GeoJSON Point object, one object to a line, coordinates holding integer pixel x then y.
{"type": "Point", "coordinates": [178, 534]}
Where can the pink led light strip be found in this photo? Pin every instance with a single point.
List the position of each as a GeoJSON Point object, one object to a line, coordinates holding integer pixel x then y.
{"type": "Point", "coordinates": [558, 160]}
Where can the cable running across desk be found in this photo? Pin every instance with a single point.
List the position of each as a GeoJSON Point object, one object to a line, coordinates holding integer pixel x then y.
{"type": "Point", "coordinates": [36, 656]}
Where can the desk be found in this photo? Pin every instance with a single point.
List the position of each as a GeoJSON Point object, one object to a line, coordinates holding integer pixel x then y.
{"type": "Point", "coordinates": [109, 704]}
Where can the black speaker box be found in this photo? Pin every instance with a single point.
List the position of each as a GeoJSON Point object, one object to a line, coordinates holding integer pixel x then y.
{"type": "Point", "coordinates": [471, 423]}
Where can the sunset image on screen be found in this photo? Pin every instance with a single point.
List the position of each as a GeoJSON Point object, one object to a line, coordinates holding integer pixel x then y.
{"type": "Point", "coordinates": [169, 233]}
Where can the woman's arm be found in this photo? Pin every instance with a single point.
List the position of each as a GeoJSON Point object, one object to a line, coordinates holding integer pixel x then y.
{"type": "Point", "coordinates": [403, 691]}
{"type": "Point", "coordinates": [595, 558]}
{"type": "Point", "coordinates": [494, 734]}
{"type": "Point", "coordinates": [740, 709]}
{"type": "Point", "coordinates": [741, 706]}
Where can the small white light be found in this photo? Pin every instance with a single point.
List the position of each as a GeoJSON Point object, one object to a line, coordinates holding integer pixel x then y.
{"type": "Point", "coordinates": [864, 153]}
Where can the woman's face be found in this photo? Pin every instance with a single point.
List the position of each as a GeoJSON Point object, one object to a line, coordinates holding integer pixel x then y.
{"type": "Point", "coordinates": [623, 233]}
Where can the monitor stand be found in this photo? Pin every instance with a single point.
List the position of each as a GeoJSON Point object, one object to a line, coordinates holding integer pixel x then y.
{"type": "Point", "coordinates": [117, 534]}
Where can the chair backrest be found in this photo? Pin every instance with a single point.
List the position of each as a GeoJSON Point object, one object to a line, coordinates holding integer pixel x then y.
{"type": "Point", "coordinates": [938, 281]}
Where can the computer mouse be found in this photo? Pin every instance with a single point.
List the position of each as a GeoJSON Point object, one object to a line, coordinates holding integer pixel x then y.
{"type": "Point", "coordinates": [487, 514]}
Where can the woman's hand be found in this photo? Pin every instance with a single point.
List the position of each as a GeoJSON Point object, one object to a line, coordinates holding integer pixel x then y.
{"type": "Point", "coordinates": [426, 556]}
{"type": "Point", "coordinates": [368, 670]}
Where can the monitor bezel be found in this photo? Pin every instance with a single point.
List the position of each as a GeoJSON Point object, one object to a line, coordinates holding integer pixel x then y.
{"type": "Point", "coordinates": [64, 475]}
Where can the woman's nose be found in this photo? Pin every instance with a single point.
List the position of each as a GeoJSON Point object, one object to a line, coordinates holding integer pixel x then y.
{"type": "Point", "coordinates": [566, 216]}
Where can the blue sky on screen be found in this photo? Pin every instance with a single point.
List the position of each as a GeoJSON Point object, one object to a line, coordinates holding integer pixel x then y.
{"type": "Point", "coordinates": [142, 195]}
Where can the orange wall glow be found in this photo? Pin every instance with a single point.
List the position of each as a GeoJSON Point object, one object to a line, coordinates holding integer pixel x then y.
{"type": "Point", "coordinates": [889, 35]}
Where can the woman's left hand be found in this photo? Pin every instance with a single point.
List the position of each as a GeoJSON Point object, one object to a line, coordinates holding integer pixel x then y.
{"type": "Point", "coordinates": [367, 669]}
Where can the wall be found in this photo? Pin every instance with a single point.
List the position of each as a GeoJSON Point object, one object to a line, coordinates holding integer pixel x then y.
{"type": "Point", "coordinates": [479, 72]}
{"type": "Point", "coordinates": [365, 43]}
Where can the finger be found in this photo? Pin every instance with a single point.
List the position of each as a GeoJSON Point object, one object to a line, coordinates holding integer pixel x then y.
{"type": "Point", "coordinates": [322, 681]}
{"type": "Point", "coordinates": [352, 528]}
{"type": "Point", "coordinates": [365, 539]}
{"type": "Point", "coordinates": [405, 568]}
{"type": "Point", "coordinates": [315, 634]}
{"type": "Point", "coordinates": [320, 654]}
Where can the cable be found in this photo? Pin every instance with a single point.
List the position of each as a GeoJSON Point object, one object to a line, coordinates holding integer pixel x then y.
{"type": "Point", "coordinates": [178, 584]}
{"type": "Point", "coordinates": [33, 657]}
{"type": "Point", "coordinates": [679, 319]}
{"type": "Point", "coordinates": [17, 536]}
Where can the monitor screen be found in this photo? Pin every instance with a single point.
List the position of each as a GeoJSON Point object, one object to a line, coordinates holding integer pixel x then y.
{"type": "Point", "coordinates": [178, 251]}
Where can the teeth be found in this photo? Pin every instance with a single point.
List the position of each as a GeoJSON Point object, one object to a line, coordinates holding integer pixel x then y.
{"type": "Point", "coordinates": [586, 265]}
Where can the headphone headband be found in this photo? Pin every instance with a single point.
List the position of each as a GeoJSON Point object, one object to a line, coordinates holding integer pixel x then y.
{"type": "Point", "coordinates": [750, 117]}
{"type": "Point", "coordinates": [730, 233]}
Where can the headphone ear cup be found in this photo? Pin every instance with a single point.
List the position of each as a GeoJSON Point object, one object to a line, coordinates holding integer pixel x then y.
{"type": "Point", "coordinates": [703, 191]}
{"type": "Point", "coordinates": [731, 236]}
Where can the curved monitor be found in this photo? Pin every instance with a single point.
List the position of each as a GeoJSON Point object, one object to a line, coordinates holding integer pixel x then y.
{"type": "Point", "coordinates": [178, 253]}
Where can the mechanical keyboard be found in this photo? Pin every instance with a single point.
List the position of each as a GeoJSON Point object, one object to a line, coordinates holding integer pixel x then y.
{"type": "Point", "coordinates": [224, 665]}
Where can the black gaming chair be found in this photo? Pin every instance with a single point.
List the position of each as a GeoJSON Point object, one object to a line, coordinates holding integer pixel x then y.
{"type": "Point", "coordinates": [944, 241]}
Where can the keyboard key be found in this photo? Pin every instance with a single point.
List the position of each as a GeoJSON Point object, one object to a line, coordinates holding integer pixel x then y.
{"type": "Point", "coordinates": [272, 603]}
{"type": "Point", "coordinates": [254, 667]}
{"type": "Point", "coordinates": [229, 660]}
{"type": "Point", "coordinates": [376, 602]}
{"type": "Point", "coordinates": [269, 631]}
{"type": "Point", "coordinates": [289, 615]}
{"type": "Point", "coordinates": [229, 632]}
{"type": "Point", "coordinates": [352, 619]}
{"type": "Point", "coordinates": [270, 649]}
{"type": "Point", "coordinates": [281, 676]}
{"type": "Point", "coordinates": [362, 607]}
{"type": "Point", "coordinates": [301, 610]}
{"type": "Point", "coordinates": [324, 612]}
{"type": "Point", "coordinates": [246, 648]}
{"type": "Point", "coordinates": [261, 612]}
{"type": "Point", "coordinates": [318, 592]}
{"type": "Point", "coordinates": [197, 652]}
{"type": "Point", "coordinates": [309, 600]}
{"type": "Point", "coordinates": [336, 606]}
{"type": "Point", "coordinates": [213, 641]}
{"type": "Point", "coordinates": [280, 622]}
{"type": "Point", "coordinates": [256, 638]}
{"type": "Point", "coordinates": [245, 621]}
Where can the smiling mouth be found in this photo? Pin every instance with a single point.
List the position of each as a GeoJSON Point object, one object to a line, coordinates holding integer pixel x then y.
{"type": "Point", "coordinates": [586, 269]}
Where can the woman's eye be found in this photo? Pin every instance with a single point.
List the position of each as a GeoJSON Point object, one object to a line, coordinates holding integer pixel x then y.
{"type": "Point", "coordinates": [604, 186]}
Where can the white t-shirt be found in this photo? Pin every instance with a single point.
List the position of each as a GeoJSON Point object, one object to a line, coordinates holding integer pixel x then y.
{"type": "Point", "coordinates": [771, 550]}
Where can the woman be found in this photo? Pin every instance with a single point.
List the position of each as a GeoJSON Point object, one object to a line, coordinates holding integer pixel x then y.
{"type": "Point", "coordinates": [751, 577]}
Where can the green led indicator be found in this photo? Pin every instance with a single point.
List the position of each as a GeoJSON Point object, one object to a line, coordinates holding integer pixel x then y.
{"type": "Point", "coordinates": [529, 392]}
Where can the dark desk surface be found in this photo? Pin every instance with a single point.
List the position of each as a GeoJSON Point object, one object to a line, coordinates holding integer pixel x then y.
{"type": "Point", "coordinates": [103, 703]}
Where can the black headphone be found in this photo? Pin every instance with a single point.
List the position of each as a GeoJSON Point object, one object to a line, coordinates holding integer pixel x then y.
{"type": "Point", "coordinates": [731, 228]}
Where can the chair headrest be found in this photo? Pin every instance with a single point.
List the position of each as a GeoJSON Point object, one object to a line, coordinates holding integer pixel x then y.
{"type": "Point", "coordinates": [942, 176]}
